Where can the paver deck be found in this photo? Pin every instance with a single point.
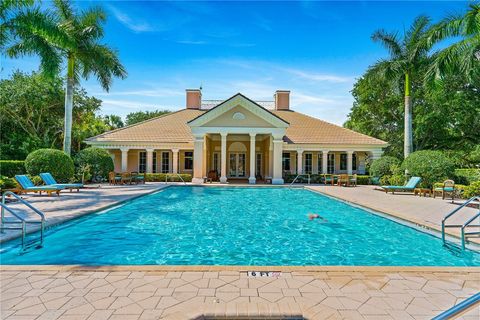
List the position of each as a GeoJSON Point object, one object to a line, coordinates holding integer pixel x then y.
{"type": "Point", "coordinates": [219, 292]}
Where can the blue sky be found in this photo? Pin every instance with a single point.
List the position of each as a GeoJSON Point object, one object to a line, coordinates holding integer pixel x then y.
{"type": "Point", "coordinates": [316, 49]}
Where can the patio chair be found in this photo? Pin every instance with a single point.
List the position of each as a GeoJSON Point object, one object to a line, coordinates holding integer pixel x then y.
{"type": "Point", "coordinates": [138, 177]}
{"type": "Point", "coordinates": [328, 178]}
{"type": "Point", "coordinates": [27, 185]}
{"type": "Point", "coordinates": [212, 175]}
{"type": "Point", "coordinates": [448, 187]}
{"type": "Point", "coordinates": [114, 178]}
{"type": "Point", "coordinates": [409, 187]}
{"type": "Point", "coordinates": [352, 180]}
{"type": "Point", "coordinates": [49, 180]}
{"type": "Point", "coordinates": [126, 177]}
{"type": "Point", "coordinates": [343, 180]}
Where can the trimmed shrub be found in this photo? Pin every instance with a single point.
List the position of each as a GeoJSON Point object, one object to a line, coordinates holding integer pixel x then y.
{"type": "Point", "coordinates": [472, 190]}
{"type": "Point", "coordinates": [384, 166]}
{"type": "Point", "coordinates": [10, 168]}
{"type": "Point", "coordinates": [160, 177]}
{"type": "Point", "coordinates": [363, 179]}
{"type": "Point", "coordinates": [7, 183]}
{"type": "Point", "coordinates": [94, 163]}
{"type": "Point", "coordinates": [467, 176]}
{"type": "Point", "coordinates": [58, 163]}
{"type": "Point", "coordinates": [431, 166]}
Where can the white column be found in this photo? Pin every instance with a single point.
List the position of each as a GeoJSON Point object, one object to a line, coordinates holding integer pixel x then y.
{"type": "Point", "coordinates": [325, 161]}
{"type": "Point", "coordinates": [198, 159]}
{"type": "Point", "coordinates": [175, 161]}
{"type": "Point", "coordinates": [223, 159]}
{"type": "Point", "coordinates": [349, 162]}
{"type": "Point", "coordinates": [270, 158]}
{"type": "Point", "coordinates": [252, 178]}
{"type": "Point", "coordinates": [277, 160]}
{"type": "Point", "coordinates": [149, 160]}
{"type": "Point", "coordinates": [299, 161]}
{"type": "Point", "coordinates": [124, 159]}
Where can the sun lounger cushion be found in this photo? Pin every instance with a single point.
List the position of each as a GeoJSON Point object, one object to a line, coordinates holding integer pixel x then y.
{"type": "Point", "coordinates": [27, 184]}
{"type": "Point", "coordinates": [50, 180]}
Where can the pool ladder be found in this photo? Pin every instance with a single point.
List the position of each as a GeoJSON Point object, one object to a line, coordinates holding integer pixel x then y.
{"type": "Point", "coordinates": [20, 223]}
{"type": "Point", "coordinates": [464, 234]}
{"type": "Point", "coordinates": [299, 175]}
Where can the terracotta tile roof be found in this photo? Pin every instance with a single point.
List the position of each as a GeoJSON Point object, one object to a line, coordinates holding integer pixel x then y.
{"type": "Point", "coordinates": [173, 128]}
{"type": "Point", "coordinates": [305, 129]}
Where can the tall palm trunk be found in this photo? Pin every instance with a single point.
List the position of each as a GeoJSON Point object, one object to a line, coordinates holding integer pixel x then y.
{"type": "Point", "coordinates": [408, 135]}
{"type": "Point", "coordinates": [67, 134]}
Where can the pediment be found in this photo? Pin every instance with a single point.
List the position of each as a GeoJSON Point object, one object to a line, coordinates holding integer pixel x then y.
{"type": "Point", "coordinates": [238, 111]}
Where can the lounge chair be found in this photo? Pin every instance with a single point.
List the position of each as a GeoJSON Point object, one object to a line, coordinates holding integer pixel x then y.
{"type": "Point", "coordinates": [448, 187]}
{"type": "Point", "coordinates": [409, 187]}
{"type": "Point", "coordinates": [49, 180]}
{"type": "Point", "coordinates": [27, 185]}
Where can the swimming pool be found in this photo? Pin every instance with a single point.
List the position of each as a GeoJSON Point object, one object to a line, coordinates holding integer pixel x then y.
{"type": "Point", "coordinates": [184, 225]}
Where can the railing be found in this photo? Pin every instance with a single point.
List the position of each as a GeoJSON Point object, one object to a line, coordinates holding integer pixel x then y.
{"type": "Point", "coordinates": [166, 177]}
{"type": "Point", "coordinates": [464, 225]}
{"type": "Point", "coordinates": [460, 308]}
{"type": "Point", "coordinates": [298, 175]}
{"type": "Point", "coordinates": [20, 219]}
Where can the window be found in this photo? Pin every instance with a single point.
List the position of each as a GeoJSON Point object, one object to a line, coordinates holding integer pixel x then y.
{"type": "Point", "coordinates": [307, 163]}
{"type": "Point", "coordinates": [154, 164]}
{"type": "Point", "coordinates": [188, 162]}
{"type": "Point", "coordinates": [216, 162]}
{"type": "Point", "coordinates": [354, 161]}
{"type": "Point", "coordinates": [142, 161]}
{"type": "Point", "coordinates": [343, 161]}
{"type": "Point", "coordinates": [320, 163]}
{"type": "Point", "coordinates": [286, 161]}
{"type": "Point", "coordinates": [165, 162]}
{"type": "Point", "coordinates": [258, 165]}
{"type": "Point", "coordinates": [331, 163]}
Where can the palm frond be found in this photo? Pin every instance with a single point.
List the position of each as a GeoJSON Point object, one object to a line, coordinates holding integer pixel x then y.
{"type": "Point", "coordinates": [416, 37]}
{"type": "Point", "coordinates": [90, 22]}
{"type": "Point", "coordinates": [387, 69]}
{"type": "Point", "coordinates": [102, 62]}
{"type": "Point", "coordinates": [64, 9]}
{"type": "Point", "coordinates": [389, 41]}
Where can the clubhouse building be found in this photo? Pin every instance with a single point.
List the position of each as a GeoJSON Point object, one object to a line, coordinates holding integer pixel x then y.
{"type": "Point", "coordinates": [238, 139]}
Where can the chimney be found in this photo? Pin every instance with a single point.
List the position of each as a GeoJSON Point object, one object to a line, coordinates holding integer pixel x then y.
{"type": "Point", "coordinates": [282, 100]}
{"type": "Point", "coordinates": [194, 98]}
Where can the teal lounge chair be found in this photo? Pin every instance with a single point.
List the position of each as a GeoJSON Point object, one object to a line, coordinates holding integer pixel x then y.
{"type": "Point", "coordinates": [409, 187]}
{"type": "Point", "coordinates": [27, 185]}
{"type": "Point", "coordinates": [49, 180]}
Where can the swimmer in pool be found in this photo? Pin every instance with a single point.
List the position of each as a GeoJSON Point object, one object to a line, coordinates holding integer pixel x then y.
{"type": "Point", "coordinates": [313, 216]}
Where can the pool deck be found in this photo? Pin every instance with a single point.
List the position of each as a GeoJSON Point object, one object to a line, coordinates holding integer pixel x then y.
{"type": "Point", "coordinates": [129, 292]}
{"type": "Point", "coordinates": [217, 292]}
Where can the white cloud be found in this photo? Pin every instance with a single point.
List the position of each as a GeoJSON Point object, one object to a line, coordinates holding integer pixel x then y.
{"type": "Point", "coordinates": [319, 76]}
{"type": "Point", "coordinates": [126, 20]}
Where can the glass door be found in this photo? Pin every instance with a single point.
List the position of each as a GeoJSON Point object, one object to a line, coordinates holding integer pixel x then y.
{"type": "Point", "coordinates": [237, 165]}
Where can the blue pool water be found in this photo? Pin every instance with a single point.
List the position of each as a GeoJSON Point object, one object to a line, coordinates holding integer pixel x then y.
{"type": "Point", "coordinates": [238, 226]}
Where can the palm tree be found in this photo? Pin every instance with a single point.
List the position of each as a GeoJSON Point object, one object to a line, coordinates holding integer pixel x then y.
{"type": "Point", "coordinates": [62, 35]}
{"type": "Point", "coordinates": [462, 56]}
{"type": "Point", "coordinates": [407, 55]}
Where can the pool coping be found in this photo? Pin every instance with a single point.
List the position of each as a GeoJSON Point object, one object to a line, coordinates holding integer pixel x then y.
{"type": "Point", "coordinates": [240, 268]}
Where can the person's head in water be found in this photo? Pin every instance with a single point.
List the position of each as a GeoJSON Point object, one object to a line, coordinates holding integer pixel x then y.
{"type": "Point", "coordinates": [313, 216]}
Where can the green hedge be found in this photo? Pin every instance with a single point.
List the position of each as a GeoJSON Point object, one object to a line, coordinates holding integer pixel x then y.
{"type": "Point", "coordinates": [58, 163]}
{"type": "Point", "coordinates": [10, 168]}
{"type": "Point", "coordinates": [160, 177]}
{"type": "Point", "coordinates": [384, 166]}
{"type": "Point", "coordinates": [466, 176]}
{"type": "Point", "coordinates": [472, 190]}
{"type": "Point", "coordinates": [7, 183]}
{"type": "Point", "coordinates": [431, 166]}
{"type": "Point", "coordinates": [317, 178]}
{"type": "Point", "coordinates": [94, 163]}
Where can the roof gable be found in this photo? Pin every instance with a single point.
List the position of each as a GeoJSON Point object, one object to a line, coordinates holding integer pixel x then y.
{"type": "Point", "coordinates": [222, 114]}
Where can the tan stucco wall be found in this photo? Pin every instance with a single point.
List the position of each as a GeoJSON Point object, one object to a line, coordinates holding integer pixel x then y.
{"type": "Point", "coordinates": [226, 120]}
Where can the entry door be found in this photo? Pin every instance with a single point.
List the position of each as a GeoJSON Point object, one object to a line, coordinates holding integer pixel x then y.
{"type": "Point", "coordinates": [237, 165]}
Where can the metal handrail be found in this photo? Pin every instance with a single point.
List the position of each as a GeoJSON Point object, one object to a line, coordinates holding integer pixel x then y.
{"type": "Point", "coordinates": [298, 175]}
{"type": "Point", "coordinates": [466, 224]}
{"type": "Point", "coordinates": [466, 203]}
{"type": "Point", "coordinates": [23, 221]}
{"type": "Point", "coordinates": [460, 308]}
{"type": "Point", "coordinates": [166, 177]}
